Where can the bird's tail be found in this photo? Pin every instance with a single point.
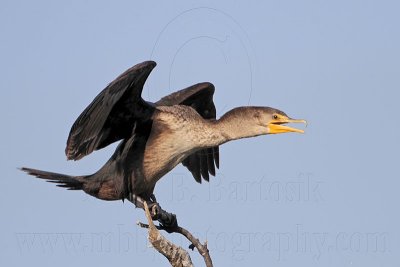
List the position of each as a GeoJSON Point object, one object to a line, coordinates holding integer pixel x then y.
{"type": "Point", "coordinates": [62, 180]}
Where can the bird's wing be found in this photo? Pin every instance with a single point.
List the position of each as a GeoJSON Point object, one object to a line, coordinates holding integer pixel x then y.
{"type": "Point", "coordinates": [199, 97]}
{"type": "Point", "coordinates": [112, 114]}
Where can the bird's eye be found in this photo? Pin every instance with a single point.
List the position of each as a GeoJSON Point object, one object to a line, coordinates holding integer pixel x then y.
{"type": "Point", "coordinates": [275, 117]}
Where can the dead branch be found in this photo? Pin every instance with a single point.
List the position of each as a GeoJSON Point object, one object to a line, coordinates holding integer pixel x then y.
{"type": "Point", "coordinates": [176, 255]}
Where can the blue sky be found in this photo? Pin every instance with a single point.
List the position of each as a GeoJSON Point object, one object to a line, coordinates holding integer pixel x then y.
{"type": "Point", "coordinates": [325, 198]}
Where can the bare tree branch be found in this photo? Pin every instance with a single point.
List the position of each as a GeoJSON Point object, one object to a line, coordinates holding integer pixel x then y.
{"type": "Point", "coordinates": [203, 250]}
{"type": "Point", "coordinates": [176, 255]}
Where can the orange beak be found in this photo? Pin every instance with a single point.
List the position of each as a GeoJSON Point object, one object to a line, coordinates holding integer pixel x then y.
{"type": "Point", "coordinates": [276, 125]}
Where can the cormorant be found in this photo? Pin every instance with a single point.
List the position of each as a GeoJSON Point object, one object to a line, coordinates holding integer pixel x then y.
{"type": "Point", "coordinates": [179, 128]}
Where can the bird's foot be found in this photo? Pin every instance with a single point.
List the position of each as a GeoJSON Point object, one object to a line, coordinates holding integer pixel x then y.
{"type": "Point", "coordinates": [168, 221]}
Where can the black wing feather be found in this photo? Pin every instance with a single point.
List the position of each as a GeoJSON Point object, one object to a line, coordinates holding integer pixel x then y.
{"type": "Point", "coordinates": [210, 161]}
{"type": "Point", "coordinates": [193, 164]}
{"type": "Point", "coordinates": [216, 156]}
{"type": "Point", "coordinates": [112, 114]}
{"type": "Point", "coordinates": [204, 166]}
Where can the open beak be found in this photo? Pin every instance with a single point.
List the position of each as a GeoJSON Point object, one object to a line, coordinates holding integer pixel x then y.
{"type": "Point", "coordinates": [276, 126]}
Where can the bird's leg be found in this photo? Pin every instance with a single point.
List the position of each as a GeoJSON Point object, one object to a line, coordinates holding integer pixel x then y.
{"type": "Point", "coordinates": [153, 198]}
{"type": "Point", "coordinates": [136, 200]}
{"type": "Point", "coordinates": [167, 220]}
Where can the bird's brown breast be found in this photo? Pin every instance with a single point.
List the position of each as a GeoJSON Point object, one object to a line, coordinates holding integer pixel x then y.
{"type": "Point", "coordinates": [171, 140]}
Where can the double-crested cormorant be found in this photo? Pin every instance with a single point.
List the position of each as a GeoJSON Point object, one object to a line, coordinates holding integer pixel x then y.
{"type": "Point", "coordinates": [179, 128]}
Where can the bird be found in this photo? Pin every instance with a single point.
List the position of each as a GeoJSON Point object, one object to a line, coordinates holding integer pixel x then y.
{"type": "Point", "coordinates": [155, 137]}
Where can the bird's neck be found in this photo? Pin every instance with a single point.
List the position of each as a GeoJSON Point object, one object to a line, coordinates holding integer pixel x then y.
{"type": "Point", "coordinates": [231, 127]}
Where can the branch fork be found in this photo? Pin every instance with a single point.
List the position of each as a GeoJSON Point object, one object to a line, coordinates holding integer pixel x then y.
{"type": "Point", "coordinates": [176, 255]}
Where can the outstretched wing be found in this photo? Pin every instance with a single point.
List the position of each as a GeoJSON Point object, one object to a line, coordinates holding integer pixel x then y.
{"type": "Point", "coordinates": [112, 114]}
{"type": "Point", "coordinates": [199, 97]}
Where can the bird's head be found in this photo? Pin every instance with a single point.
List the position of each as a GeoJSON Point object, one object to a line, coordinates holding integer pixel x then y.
{"type": "Point", "coordinates": [274, 120]}
{"type": "Point", "coordinates": [253, 121]}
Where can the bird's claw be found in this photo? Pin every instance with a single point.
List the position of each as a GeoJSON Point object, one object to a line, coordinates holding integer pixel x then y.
{"type": "Point", "coordinates": [167, 220]}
